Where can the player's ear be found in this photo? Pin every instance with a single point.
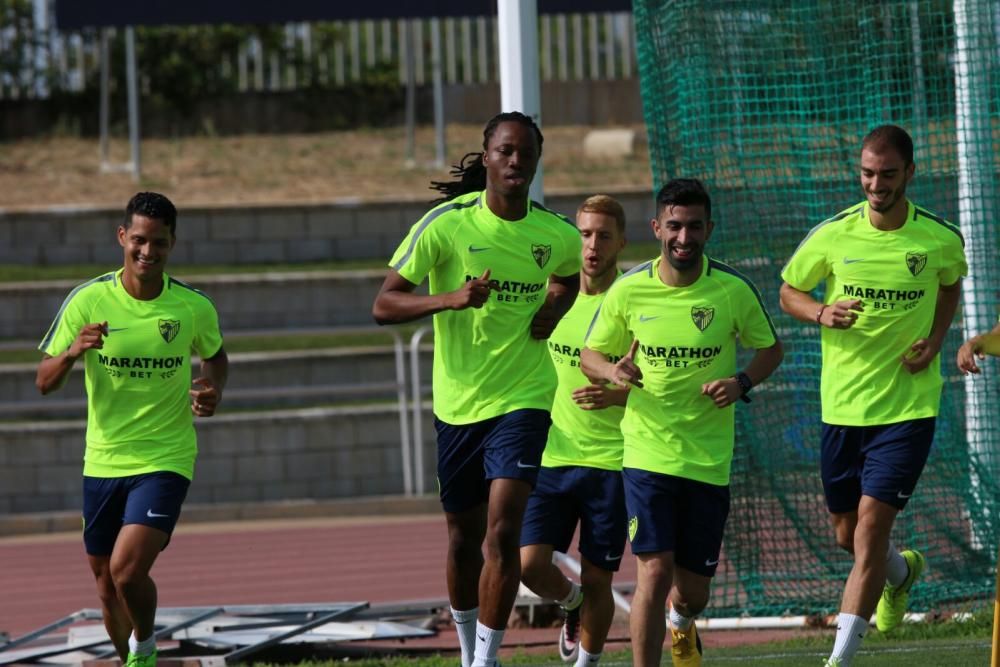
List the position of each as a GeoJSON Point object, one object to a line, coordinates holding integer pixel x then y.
{"type": "Point", "coordinates": [122, 232]}
{"type": "Point", "coordinates": [708, 229]}
{"type": "Point", "coordinates": [654, 224]}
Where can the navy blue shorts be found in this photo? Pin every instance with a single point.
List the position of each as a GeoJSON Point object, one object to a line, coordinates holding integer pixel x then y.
{"type": "Point", "coordinates": [567, 494]}
{"type": "Point", "coordinates": [504, 447]}
{"type": "Point", "coordinates": [668, 513]}
{"type": "Point", "coordinates": [883, 462]}
{"type": "Point", "coordinates": [153, 499]}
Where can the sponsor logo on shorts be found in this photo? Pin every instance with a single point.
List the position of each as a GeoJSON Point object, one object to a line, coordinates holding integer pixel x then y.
{"type": "Point", "coordinates": [633, 526]}
{"type": "Point", "coordinates": [711, 563]}
{"type": "Point", "coordinates": [903, 496]}
{"type": "Point", "coordinates": [611, 558]}
{"type": "Point", "coordinates": [525, 465]}
{"type": "Point", "coordinates": [153, 515]}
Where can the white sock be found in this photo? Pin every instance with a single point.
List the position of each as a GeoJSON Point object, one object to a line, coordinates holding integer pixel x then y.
{"type": "Point", "coordinates": [574, 599]}
{"type": "Point", "coordinates": [680, 623]}
{"type": "Point", "coordinates": [144, 647]}
{"type": "Point", "coordinates": [487, 644]}
{"type": "Point", "coordinates": [584, 659]}
{"type": "Point", "coordinates": [466, 629]}
{"type": "Point", "coordinates": [895, 567]}
{"type": "Point", "coordinates": [851, 630]}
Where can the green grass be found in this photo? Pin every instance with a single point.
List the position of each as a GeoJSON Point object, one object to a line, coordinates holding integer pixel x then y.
{"type": "Point", "coordinates": [958, 652]}
{"type": "Point", "coordinates": [965, 644]}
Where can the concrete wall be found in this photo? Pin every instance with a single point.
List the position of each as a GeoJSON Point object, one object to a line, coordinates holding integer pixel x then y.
{"type": "Point", "coordinates": [292, 454]}
{"type": "Point", "coordinates": [256, 379]}
{"type": "Point", "coordinates": [251, 301]}
{"type": "Point", "coordinates": [340, 230]}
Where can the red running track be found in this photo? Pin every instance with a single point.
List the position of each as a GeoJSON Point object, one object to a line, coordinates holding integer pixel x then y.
{"type": "Point", "coordinates": [382, 559]}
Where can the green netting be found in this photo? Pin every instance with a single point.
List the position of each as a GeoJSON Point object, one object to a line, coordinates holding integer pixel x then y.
{"type": "Point", "coordinates": [767, 102]}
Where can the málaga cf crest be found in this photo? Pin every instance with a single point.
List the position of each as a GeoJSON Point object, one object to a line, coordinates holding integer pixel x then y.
{"type": "Point", "coordinates": [169, 329]}
{"type": "Point", "coordinates": [541, 253]}
{"type": "Point", "coordinates": [702, 316]}
{"type": "Point", "coordinates": [916, 261]}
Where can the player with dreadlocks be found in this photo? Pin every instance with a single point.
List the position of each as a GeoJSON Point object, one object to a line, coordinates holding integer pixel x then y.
{"type": "Point", "coordinates": [502, 271]}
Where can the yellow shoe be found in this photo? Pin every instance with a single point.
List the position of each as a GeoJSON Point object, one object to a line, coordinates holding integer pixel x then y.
{"type": "Point", "coordinates": [892, 604]}
{"type": "Point", "coordinates": [686, 648]}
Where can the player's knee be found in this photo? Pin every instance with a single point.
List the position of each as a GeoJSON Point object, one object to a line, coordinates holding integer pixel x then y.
{"type": "Point", "coordinates": [594, 580]}
{"type": "Point", "coordinates": [845, 540]}
{"type": "Point", "coordinates": [106, 589]}
{"type": "Point", "coordinates": [126, 574]}
{"type": "Point", "coordinates": [533, 567]}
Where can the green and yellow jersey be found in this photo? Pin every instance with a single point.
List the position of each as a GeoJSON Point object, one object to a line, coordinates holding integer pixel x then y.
{"type": "Point", "coordinates": [687, 337]}
{"type": "Point", "coordinates": [486, 363]}
{"type": "Point", "coordinates": [896, 275]}
{"type": "Point", "coordinates": [589, 438]}
{"type": "Point", "coordinates": [139, 416]}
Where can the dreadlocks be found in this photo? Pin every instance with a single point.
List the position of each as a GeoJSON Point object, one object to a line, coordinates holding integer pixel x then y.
{"type": "Point", "coordinates": [470, 172]}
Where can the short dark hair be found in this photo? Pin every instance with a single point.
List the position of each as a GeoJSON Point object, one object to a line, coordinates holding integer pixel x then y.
{"type": "Point", "coordinates": [892, 136]}
{"type": "Point", "coordinates": [152, 205]}
{"type": "Point", "coordinates": [683, 192]}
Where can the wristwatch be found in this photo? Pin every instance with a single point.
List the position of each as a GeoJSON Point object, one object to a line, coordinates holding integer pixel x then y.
{"type": "Point", "coordinates": [745, 385]}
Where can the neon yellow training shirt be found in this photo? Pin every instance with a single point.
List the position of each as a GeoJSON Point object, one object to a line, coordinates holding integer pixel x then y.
{"type": "Point", "coordinates": [139, 416]}
{"type": "Point", "coordinates": [486, 363]}
{"type": "Point", "coordinates": [896, 275]}
{"type": "Point", "coordinates": [687, 337]}
{"type": "Point", "coordinates": [589, 438]}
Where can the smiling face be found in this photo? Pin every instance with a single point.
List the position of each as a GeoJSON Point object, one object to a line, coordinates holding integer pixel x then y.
{"type": "Point", "coordinates": [511, 159]}
{"type": "Point", "coordinates": [884, 177]}
{"type": "Point", "coordinates": [147, 243]}
{"type": "Point", "coordinates": [683, 232]}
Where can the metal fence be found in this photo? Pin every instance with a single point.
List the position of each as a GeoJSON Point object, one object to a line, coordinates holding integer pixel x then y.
{"type": "Point", "coordinates": [37, 59]}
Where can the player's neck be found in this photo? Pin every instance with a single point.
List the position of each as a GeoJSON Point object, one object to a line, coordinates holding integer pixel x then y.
{"type": "Point", "coordinates": [675, 277]}
{"type": "Point", "coordinates": [591, 285]}
{"type": "Point", "coordinates": [140, 289]}
{"type": "Point", "coordinates": [892, 219]}
{"type": "Point", "coordinates": [506, 208]}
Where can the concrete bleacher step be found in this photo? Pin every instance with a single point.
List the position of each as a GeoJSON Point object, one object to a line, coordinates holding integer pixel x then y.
{"type": "Point", "coordinates": [279, 378]}
{"type": "Point", "coordinates": [245, 301]}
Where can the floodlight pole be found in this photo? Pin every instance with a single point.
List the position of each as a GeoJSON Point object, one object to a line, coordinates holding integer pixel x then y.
{"type": "Point", "coordinates": [520, 89]}
{"type": "Point", "coordinates": [977, 196]}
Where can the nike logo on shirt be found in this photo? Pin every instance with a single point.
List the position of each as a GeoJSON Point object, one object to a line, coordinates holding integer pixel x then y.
{"type": "Point", "coordinates": [853, 261]}
{"type": "Point", "coordinates": [475, 249]}
{"type": "Point", "coordinates": [647, 318]}
{"type": "Point", "coordinates": [117, 329]}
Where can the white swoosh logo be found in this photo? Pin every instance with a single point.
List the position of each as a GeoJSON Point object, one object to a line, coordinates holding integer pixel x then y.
{"type": "Point", "coordinates": [151, 515]}
{"type": "Point", "coordinates": [525, 465]}
{"type": "Point", "coordinates": [711, 563]}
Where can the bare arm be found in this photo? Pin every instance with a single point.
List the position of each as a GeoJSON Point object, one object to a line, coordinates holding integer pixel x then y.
{"type": "Point", "coordinates": [53, 371]}
{"type": "Point", "coordinates": [559, 299]}
{"type": "Point", "coordinates": [396, 303]}
{"type": "Point", "coordinates": [801, 306]}
{"type": "Point", "coordinates": [978, 347]}
{"type": "Point", "coordinates": [727, 390]}
{"type": "Point", "coordinates": [624, 374]}
{"type": "Point", "coordinates": [923, 351]}
{"type": "Point", "coordinates": [206, 397]}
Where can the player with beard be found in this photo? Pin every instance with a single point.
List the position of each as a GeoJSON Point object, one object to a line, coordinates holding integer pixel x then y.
{"type": "Point", "coordinates": [580, 480]}
{"type": "Point", "coordinates": [892, 274]}
{"type": "Point", "coordinates": [684, 312]}
{"type": "Point", "coordinates": [502, 271]}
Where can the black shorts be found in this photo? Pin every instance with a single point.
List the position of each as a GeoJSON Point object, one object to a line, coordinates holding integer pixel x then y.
{"type": "Point", "coordinates": [883, 462]}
